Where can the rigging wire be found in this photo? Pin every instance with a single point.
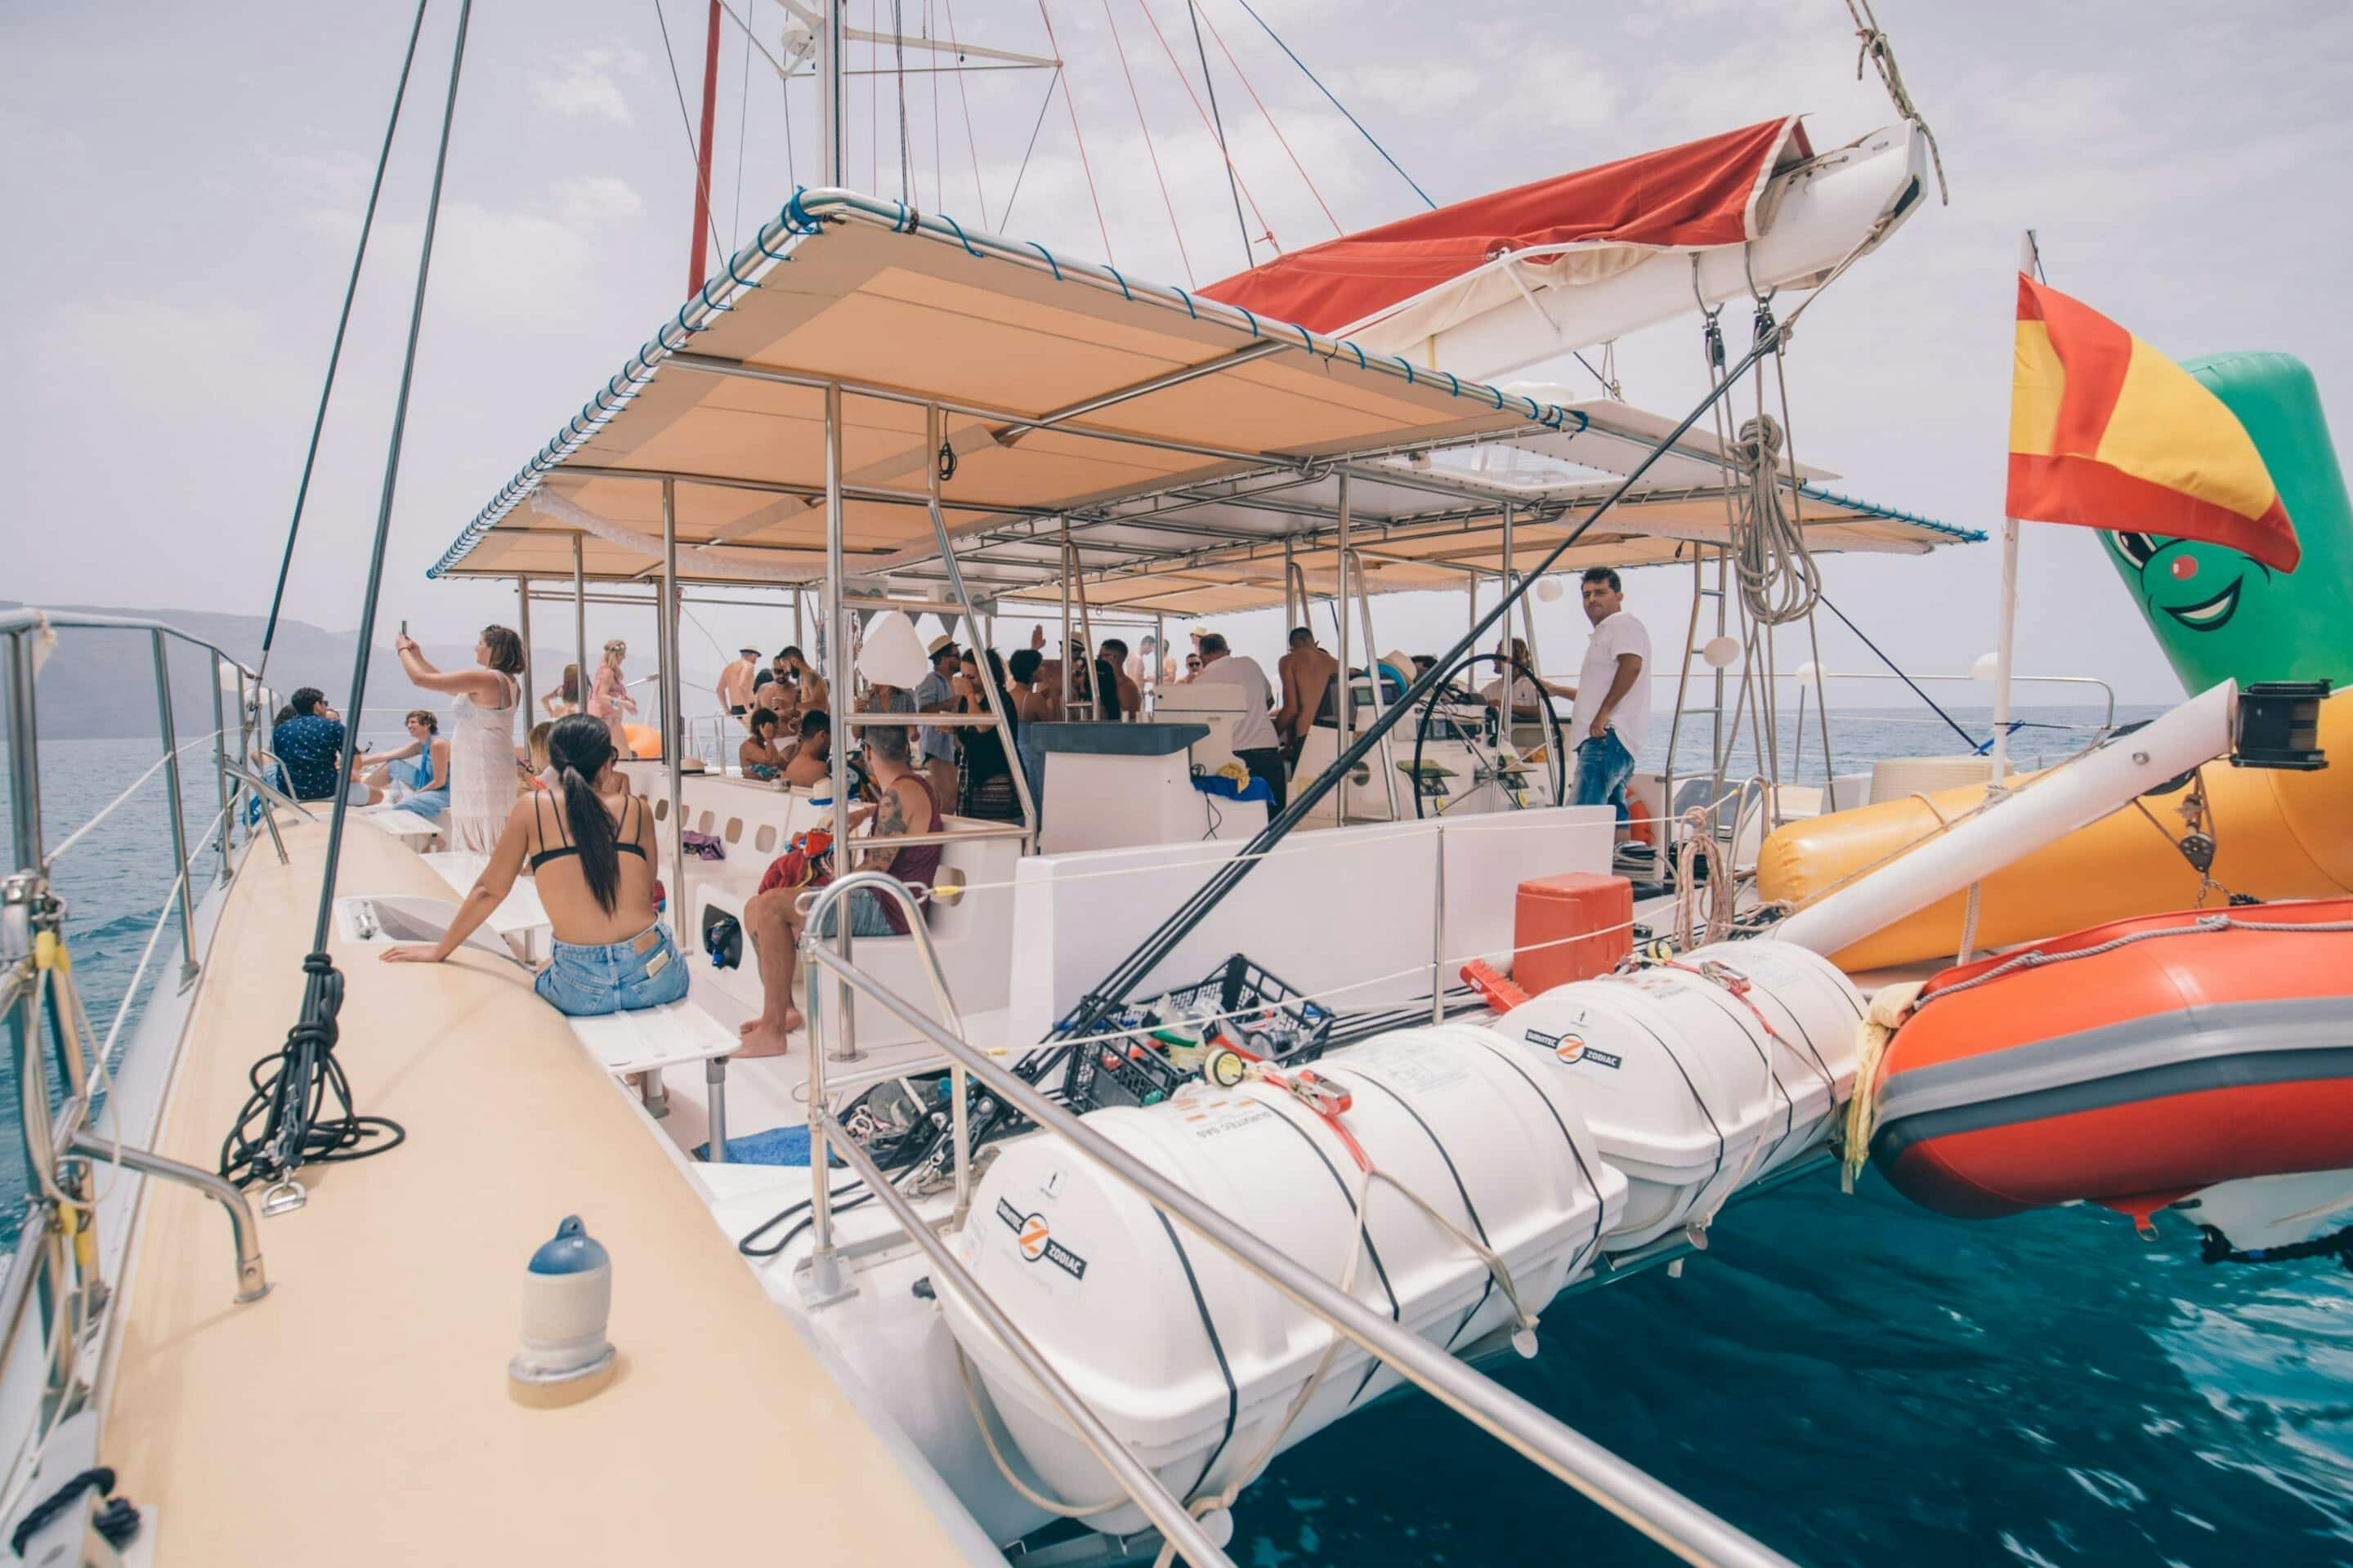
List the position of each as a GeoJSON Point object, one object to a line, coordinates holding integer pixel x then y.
{"type": "Point", "coordinates": [742, 123]}
{"type": "Point", "coordinates": [964, 97]}
{"type": "Point", "coordinates": [1270, 125]}
{"type": "Point", "coordinates": [291, 1087]}
{"type": "Point", "coordinates": [1136, 98]}
{"type": "Point", "coordinates": [939, 158]}
{"type": "Point", "coordinates": [1234, 185]}
{"type": "Point", "coordinates": [1186, 82]}
{"type": "Point", "coordinates": [686, 124]}
{"type": "Point", "coordinates": [1005, 217]}
{"type": "Point", "coordinates": [1336, 103]}
{"type": "Point", "coordinates": [335, 355]}
{"type": "Point", "coordinates": [1070, 103]}
{"type": "Point", "coordinates": [899, 71]}
{"type": "Point", "coordinates": [1975, 744]}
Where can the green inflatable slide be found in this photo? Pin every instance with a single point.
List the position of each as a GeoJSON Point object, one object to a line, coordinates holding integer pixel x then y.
{"type": "Point", "coordinates": [2220, 615]}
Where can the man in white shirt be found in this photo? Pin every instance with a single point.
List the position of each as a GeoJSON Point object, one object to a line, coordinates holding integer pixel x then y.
{"type": "Point", "coordinates": [1256, 744]}
{"type": "Point", "coordinates": [1613, 697]}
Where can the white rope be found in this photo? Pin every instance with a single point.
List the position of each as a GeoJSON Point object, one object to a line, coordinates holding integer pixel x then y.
{"type": "Point", "coordinates": [1779, 583]}
{"type": "Point", "coordinates": [1879, 52]}
{"type": "Point", "coordinates": [79, 833]}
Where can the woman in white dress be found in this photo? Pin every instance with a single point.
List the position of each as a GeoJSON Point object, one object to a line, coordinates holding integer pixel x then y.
{"type": "Point", "coordinates": [482, 707]}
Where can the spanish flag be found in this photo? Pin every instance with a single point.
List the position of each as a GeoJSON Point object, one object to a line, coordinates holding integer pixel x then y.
{"type": "Point", "coordinates": [2107, 432]}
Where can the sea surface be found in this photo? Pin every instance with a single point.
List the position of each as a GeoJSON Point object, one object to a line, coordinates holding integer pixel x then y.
{"type": "Point", "coordinates": [1851, 1379]}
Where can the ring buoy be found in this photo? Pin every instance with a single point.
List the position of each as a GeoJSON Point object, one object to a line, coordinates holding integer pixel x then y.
{"type": "Point", "coordinates": [2128, 1065]}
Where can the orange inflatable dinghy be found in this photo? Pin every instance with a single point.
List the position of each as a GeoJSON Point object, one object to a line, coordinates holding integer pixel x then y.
{"type": "Point", "coordinates": [2130, 1064]}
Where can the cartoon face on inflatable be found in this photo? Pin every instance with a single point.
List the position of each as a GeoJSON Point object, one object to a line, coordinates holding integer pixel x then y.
{"type": "Point", "coordinates": [2221, 614]}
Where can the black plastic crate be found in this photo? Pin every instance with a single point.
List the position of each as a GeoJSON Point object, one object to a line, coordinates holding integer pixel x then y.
{"type": "Point", "coordinates": [1253, 1009]}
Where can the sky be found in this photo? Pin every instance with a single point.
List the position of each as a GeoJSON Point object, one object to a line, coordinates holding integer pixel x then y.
{"type": "Point", "coordinates": [186, 184]}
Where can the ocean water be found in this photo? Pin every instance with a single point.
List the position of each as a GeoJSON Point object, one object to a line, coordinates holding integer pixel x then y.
{"type": "Point", "coordinates": [1851, 1379]}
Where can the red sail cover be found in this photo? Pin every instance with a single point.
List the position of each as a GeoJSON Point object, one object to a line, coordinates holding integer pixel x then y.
{"type": "Point", "coordinates": [1703, 193]}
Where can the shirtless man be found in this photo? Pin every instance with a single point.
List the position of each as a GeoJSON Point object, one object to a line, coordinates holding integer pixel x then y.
{"type": "Point", "coordinates": [811, 760]}
{"type": "Point", "coordinates": [735, 686]}
{"type": "Point", "coordinates": [808, 687]}
{"type": "Point", "coordinates": [774, 919]}
{"type": "Point", "coordinates": [1307, 673]}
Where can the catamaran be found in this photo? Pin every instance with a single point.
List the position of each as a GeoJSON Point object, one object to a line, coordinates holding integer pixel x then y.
{"type": "Point", "coordinates": [1178, 1126]}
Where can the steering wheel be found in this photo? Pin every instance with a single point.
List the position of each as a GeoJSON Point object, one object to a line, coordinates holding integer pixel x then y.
{"type": "Point", "coordinates": [1488, 739]}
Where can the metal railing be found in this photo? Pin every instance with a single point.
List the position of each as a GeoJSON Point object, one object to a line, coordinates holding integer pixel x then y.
{"type": "Point", "coordinates": [1637, 1498]}
{"type": "Point", "coordinates": [58, 1260]}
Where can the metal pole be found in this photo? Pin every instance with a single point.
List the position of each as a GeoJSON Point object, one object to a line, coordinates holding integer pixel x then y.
{"type": "Point", "coordinates": [932, 426]}
{"type": "Point", "coordinates": [832, 157]}
{"type": "Point", "coordinates": [839, 678]}
{"type": "Point", "coordinates": [1063, 651]}
{"type": "Point", "coordinates": [800, 638]}
{"type": "Point", "coordinates": [179, 820]}
{"type": "Point", "coordinates": [681, 911]}
{"type": "Point", "coordinates": [1438, 928]}
{"type": "Point", "coordinates": [1348, 702]}
{"type": "Point", "coordinates": [220, 767]}
{"type": "Point", "coordinates": [24, 760]}
{"type": "Point", "coordinates": [579, 630]}
{"type": "Point", "coordinates": [530, 670]}
{"type": "Point", "coordinates": [1188, 1535]}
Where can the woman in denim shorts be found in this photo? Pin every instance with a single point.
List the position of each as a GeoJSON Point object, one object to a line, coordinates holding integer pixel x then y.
{"type": "Point", "coordinates": [590, 845]}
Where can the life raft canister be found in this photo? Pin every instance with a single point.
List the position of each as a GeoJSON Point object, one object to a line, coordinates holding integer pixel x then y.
{"type": "Point", "coordinates": [2129, 1064]}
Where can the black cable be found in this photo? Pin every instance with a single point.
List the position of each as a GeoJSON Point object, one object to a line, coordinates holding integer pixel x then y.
{"type": "Point", "coordinates": [306, 1068]}
{"type": "Point", "coordinates": [1233, 186]}
{"type": "Point", "coordinates": [1107, 996]}
{"type": "Point", "coordinates": [335, 355]}
{"type": "Point", "coordinates": [1975, 744]}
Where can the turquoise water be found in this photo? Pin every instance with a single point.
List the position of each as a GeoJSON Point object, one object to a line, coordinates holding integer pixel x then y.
{"type": "Point", "coordinates": [1851, 1379]}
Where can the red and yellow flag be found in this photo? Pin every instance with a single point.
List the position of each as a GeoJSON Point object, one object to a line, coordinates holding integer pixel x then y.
{"type": "Point", "coordinates": [2107, 432]}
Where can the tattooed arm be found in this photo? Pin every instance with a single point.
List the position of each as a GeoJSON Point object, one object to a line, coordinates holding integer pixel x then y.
{"type": "Point", "coordinates": [889, 822]}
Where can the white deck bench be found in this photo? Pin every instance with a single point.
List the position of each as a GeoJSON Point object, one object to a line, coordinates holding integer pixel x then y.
{"type": "Point", "coordinates": [651, 1039]}
{"type": "Point", "coordinates": [411, 829]}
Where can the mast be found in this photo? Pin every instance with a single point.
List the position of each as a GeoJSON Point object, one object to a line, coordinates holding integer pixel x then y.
{"type": "Point", "coordinates": [828, 65]}
{"type": "Point", "coordinates": [697, 258]}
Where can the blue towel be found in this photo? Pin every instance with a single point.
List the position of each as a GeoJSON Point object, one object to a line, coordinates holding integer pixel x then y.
{"type": "Point", "coordinates": [778, 1146]}
{"type": "Point", "coordinates": [1227, 789]}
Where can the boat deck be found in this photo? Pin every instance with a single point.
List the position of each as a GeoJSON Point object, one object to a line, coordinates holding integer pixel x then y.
{"type": "Point", "coordinates": [362, 1408]}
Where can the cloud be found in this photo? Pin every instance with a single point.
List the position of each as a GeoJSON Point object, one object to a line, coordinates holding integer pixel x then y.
{"type": "Point", "coordinates": [596, 199]}
{"type": "Point", "coordinates": [589, 82]}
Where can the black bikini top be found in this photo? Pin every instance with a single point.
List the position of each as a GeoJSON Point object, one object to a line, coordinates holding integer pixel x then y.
{"type": "Point", "coordinates": [628, 845]}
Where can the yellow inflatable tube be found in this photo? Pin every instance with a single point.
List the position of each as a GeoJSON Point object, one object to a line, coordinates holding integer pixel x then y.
{"type": "Point", "coordinates": [2278, 835]}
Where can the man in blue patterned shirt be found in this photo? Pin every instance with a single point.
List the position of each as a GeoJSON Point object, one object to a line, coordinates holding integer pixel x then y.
{"type": "Point", "coordinates": [310, 744]}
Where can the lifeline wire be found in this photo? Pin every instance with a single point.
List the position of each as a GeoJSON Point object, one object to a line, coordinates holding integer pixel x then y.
{"type": "Point", "coordinates": [306, 1070]}
{"type": "Point", "coordinates": [335, 355]}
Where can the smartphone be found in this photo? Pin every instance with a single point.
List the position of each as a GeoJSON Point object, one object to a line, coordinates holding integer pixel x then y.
{"type": "Point", "coordinates": [404, 626]}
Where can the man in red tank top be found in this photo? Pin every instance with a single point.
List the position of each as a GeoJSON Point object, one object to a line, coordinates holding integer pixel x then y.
{"type": "Point", "coordinates": [904, 805]}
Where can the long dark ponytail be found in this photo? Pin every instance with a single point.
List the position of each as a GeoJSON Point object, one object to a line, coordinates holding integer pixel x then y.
{"type": "Point", "coordinates": [580, 748]}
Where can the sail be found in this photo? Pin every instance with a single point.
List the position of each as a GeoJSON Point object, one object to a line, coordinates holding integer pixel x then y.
{"type": "Point", "coordinates": [1703, 192]}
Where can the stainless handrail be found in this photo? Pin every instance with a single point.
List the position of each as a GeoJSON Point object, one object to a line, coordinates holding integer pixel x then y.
{"type": "Point", "coordinates": [825, 1283]}
{"type": "Point", "coordinates": [1660, 1512]}
{"type": "Point", "coordinates": [1163, 1508]}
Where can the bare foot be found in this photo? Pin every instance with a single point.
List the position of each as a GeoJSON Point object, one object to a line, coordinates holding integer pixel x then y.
{"type": "Point", "coordinates": [762, 1039]}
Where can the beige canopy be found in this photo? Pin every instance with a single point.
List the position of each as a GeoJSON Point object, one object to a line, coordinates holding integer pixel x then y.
{"type": "Point", "coordinates": [1184, 445]}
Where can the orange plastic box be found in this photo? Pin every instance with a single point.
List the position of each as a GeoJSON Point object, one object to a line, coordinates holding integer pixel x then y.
{"type": "Point", "coordinates": [1570, 927]}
